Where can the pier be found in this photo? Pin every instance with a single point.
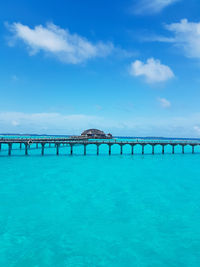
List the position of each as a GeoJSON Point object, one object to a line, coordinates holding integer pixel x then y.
{"type": "Point", "coordinates": [43, 143]}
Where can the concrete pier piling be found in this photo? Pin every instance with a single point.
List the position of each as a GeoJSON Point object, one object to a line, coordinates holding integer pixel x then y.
{"type": "Point", "coordinates": [71, 152]}
{"type": "Point", "coordinates": [142, 149]}
{"type": "Point", "coordinates": [163, 149]}
{"type": "Point", "coordinates": [57, 149]}
{"type": "Point", "coordinates": [42, 148]}
{"type": "Point", "coordinates": [97, 149]}
{"type": "Point", "coordinates": [9, 149]}
{"type": "Point", "coordinates": [26, 149]}
{"type": "Point", "coordinates": [132, 149]}
{"type": "Point", "coordinates": [109, 149]}
{"type": "Point", "coordinates": [121, 149]}
{"type": "Point", "coordinates": [192, 149]}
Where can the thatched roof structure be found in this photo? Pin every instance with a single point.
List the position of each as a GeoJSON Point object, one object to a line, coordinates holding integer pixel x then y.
{"type": "Point", "coordinates": [94, 133]}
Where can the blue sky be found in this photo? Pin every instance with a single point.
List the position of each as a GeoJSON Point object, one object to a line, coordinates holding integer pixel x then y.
{"type": "Point", "coordinates": [127, 67]}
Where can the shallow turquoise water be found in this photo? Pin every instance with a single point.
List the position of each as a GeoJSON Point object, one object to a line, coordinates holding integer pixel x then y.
{"type": "Point", "coordinates": [99, 211]}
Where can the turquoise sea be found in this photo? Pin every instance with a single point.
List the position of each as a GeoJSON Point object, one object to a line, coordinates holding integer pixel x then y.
{"type": "Point", "coordinates": [95, 211]}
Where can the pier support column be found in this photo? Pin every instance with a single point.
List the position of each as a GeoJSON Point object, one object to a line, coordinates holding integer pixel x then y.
{"type": "Point", "coordinates": [97, 150]}
{"type": "Point", "coordinates": [109, 149]}
{"type": "Point", "coordinates": [9, 149]}
{"type": "Point", "coordinates": [57, 149]}
{"type": "Point", "coordinates": [42, 148]}
{"type": "Point", "coordinates": [153, 150]}
{"type": "Point", "coordinates": [26, 149]}
{"type": "Point", "coordinates": [183, 150]}
{"type": "Point", "coordinates": [0, 147]}
{"type": "Point", "coordinates": [163, 149]}
{"type": "Point", "coordinates": [49, 144]}
{"type": "Point", "coordinates": [121, 149]}
{"type": "Point", "coordinates": [71, 152]}
{"type": "Point", "coordinates": [142, 149]}
{"type": "Point", "coordinates": [192, 149]}
{"type": "Point", "coordinates": [132, 149]}
{"type": "Point", "coordinates": [84, 150]}
{"type": "Point", "coordinates": [20, 146]}
{"type": "Point", "coordinates": [173, 149]}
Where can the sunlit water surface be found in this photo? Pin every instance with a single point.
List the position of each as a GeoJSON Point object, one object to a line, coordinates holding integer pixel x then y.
{"type": "Point", "coordinates": [93, 211]}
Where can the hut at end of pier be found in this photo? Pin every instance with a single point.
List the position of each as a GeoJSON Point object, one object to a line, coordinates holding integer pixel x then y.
{"type": "Point", "coordinates": [96, 134]}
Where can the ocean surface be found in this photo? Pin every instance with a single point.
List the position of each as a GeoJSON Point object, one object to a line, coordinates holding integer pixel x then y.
{"type": "Point", "coordinates": [94, 211]}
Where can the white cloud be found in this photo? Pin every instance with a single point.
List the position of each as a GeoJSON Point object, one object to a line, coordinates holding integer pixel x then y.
{"type": "Point", "coordinates": [152, 6]}
{"type": "Point", "coordinates": [164, 102]}
{"type": "Point", "coordinates": [53, 40]}
{"type": "Point", "coordinates": [156, 38]}
{"type": "Point", "coordinates": [55, 123]}
{"type": "Point", "coordinates": [187, 37]}
{"type": "Point", "coordinates": [152, 70]}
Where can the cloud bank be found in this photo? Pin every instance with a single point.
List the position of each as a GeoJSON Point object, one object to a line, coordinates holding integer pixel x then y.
{"type": "Point", "coordinates": [152, 6]}
{"type": "Point", "coordinates": [60, 43]}
{"type": "Point", "coordinates": [152, 70]}
{"type": "Point", "coordinates": [53, 123]}
{"type": "Point", "coordinates": [57, 123]}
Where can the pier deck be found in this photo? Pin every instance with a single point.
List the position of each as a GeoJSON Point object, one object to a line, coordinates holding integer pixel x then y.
{"type": "Point", "coordinates": [26, 143]}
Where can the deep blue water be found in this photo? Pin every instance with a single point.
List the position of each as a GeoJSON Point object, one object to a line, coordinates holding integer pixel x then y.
{"type": "Point", "coordinates": [99, 211]}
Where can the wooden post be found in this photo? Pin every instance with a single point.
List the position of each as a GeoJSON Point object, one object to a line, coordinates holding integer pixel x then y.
{"type": "Point", "coordinates": [71, 149]}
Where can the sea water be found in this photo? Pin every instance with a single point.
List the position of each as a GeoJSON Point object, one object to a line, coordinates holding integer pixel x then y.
{"type": "Point", "coordinates": [94, 211]}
